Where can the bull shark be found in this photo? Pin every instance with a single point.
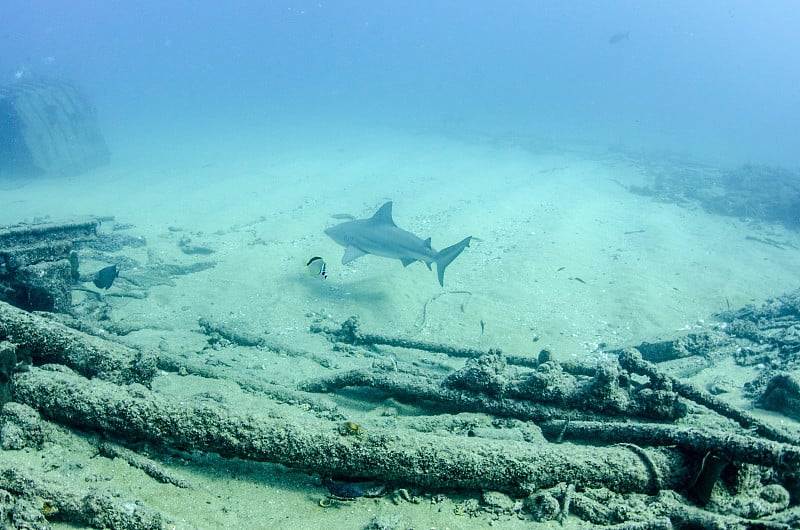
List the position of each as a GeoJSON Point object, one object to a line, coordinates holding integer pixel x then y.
{"type": "Point", "coordinates": [379, 236]}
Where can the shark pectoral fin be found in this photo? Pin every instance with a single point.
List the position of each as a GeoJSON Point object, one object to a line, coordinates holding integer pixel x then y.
{"type": "Point", "coordinates": [406, 262]}
{"type": "Point", "coordinates": [351, 253]}
{"type": "Point", "coordinates": [446, 256]}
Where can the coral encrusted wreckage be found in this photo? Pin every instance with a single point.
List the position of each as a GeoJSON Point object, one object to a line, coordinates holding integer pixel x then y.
{"type": "Point", "coordinates": [622, 441]}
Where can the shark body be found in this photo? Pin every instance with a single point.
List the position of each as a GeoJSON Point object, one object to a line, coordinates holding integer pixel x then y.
{"type": "Point", "coordinates": [379, 236]}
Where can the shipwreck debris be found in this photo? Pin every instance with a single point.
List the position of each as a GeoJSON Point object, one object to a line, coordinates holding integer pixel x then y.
{"type": "Point", "coordinates": [422, 459]}
{"type": "Point", "coordinates": [617, 430]}
{"type": "Point", "coordinates": [48, 127]}
{"type": "Point", "coordinates": [38, 264]}
{"type": "Point", "coordinates": [47, 341]}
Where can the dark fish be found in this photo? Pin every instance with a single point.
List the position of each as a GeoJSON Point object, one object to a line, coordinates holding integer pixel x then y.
{"type": "Point", "coordinates": [618, 37]}
{"type": "Point", "coordinates": [105, 277]}
{"type": "Point", "coordinates": [342, 490]}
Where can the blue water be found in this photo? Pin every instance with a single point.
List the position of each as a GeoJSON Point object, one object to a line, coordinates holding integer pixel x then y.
{"type": "Point", "coordinates": [626, 169]}
{"type": "Point", "coordinates": [718, 80]}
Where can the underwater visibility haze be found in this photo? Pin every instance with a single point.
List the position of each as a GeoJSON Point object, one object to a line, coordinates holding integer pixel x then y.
{"type": "Point", "coordinates": [613, 189]}
{"type": "Point", "coordinates": [708, 78]}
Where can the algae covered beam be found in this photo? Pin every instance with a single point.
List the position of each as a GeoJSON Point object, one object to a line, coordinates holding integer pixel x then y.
{"type": "Point", "coordinates": [736, 447]}
{"type": "Point", "coordinates": [413, 389]}
{"type": "Point", "coordinates": [85, 507]}
{"type": "Point", "coordinates": [631, 360]}
{"type": "Point", "coordinates": [427, 460]}
{"type": "Point", "coordinates": [36, 234]}
{"type": "Point", "coordinates": [134, 459]}
{"type": "Point", "coordinates": [49, 341]}
{"type": "Point", "coordinates": [350, 333]}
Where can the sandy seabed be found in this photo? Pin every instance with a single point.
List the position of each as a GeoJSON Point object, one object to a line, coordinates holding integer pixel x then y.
{"type": "Point", "coordinates": [563, 257]}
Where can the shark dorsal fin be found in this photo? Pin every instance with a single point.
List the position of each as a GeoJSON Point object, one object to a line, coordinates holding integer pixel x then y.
{"type": "Point", "coordinates": [384, 215]}
{"type": "Point", "coordinates": [428, 243]}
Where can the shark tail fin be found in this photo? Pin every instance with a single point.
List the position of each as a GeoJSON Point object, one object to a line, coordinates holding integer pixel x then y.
{"type": "Point", "coordinates": [446, 256]}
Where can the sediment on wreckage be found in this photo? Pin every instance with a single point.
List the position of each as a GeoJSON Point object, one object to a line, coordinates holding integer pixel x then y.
{"type": "Point", "coordinates": [40, 340]}
{"type": "Point", "coordinates": [427, 460]}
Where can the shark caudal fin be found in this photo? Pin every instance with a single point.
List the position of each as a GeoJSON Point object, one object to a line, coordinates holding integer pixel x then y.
{"type": "Point", "coordinates": [446, 256]}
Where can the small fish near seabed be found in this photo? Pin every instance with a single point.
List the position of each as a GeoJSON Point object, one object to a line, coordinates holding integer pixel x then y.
{"type": "Point", "coordinates": [379, 236]}
{"type": "Point", "coordinates": [104, 278]}
{"type": "Point", "coordinates": [619, 36]}
{"type": "Point", "coordinates": [317, 268]}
